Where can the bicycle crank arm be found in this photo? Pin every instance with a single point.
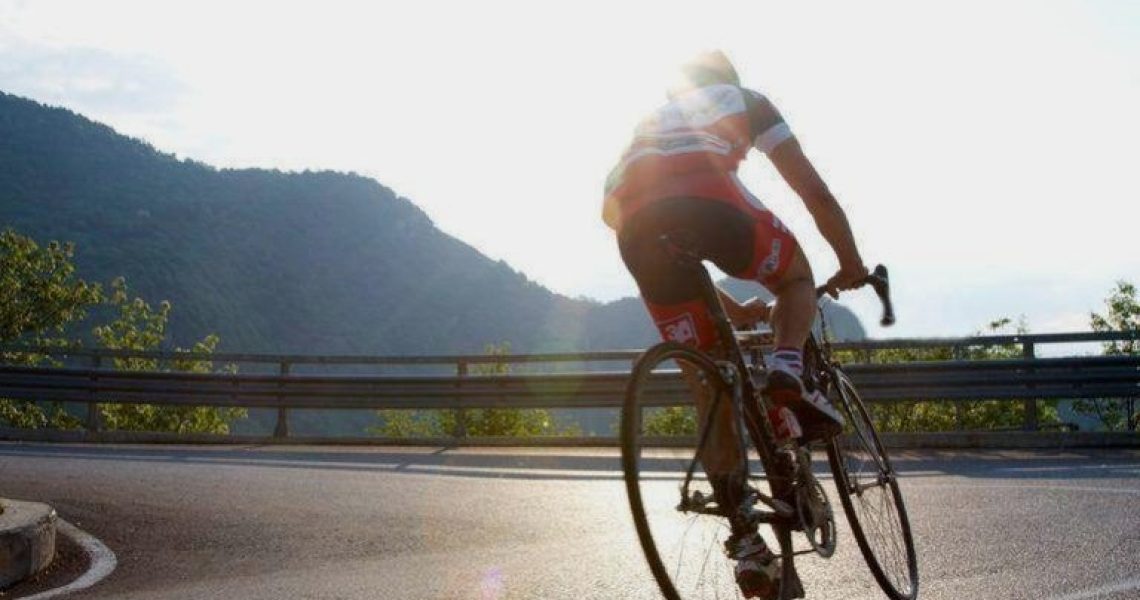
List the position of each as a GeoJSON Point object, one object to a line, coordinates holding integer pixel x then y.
{"type": "Point", "coordinates": [780, 509]}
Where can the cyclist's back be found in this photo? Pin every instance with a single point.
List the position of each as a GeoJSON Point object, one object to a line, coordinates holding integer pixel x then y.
{"type": "Point", "coordinates": [692, 146]}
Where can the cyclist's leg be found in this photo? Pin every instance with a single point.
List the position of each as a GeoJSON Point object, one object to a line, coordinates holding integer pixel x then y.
{"type": "Point", "coordinates": [691, 323]}
{"type": "Point", "coordinates": [792, 319]}
{"type": "Point", "coordinates": [773, 258]}
{"type": "Point", "coordinates": [673, 295]}
{"type": "Point", "coordinates": [719, 230]}
{"type": "Point", "coordinates": [778, 263]}
{"type": "Point", "coordinates": [794, 310]}
{"type": "Point", "coordinates": [721, 455]}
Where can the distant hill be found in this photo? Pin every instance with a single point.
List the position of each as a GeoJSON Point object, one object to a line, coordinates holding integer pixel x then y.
{"type": "Point", "coordinates": [312, 262]}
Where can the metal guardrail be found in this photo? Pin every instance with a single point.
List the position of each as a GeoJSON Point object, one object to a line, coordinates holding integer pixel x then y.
{"type": "Point", "coordinates": [97, 355]}
{"type": "Point", "coordinates": [1043, 378]}
{"type": "Point", "coordinates": [1028, 379]}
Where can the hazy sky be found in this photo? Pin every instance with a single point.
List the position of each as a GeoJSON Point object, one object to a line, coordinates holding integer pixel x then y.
{"type": "Point", "coordinates": [985, 151]}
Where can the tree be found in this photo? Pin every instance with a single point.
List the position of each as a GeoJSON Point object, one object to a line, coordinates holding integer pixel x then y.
{"type": "Point", "coordinates": [41, 304]}
{"type": "Point", "coordinates": [40, 296]}
{"type": "Point", "coordinates": [39, 292]}
{"type": "Point", "coordinates": [1123, 315]}
{"type": "Point", "coordinates": [140, 327]}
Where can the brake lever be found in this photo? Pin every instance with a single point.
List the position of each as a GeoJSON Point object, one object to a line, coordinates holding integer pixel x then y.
{"type": "Point", "coordinates": [879, 280]}
{"type": "Point", "coordinates": [881, 283]}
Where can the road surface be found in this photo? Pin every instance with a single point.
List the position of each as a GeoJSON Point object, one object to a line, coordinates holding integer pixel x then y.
{"type": "Point", "coordinates": [409, 523]}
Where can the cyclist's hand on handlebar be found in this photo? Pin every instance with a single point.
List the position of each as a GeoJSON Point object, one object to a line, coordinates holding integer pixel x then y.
{"type": "Point", "coordinates": [848, 277]}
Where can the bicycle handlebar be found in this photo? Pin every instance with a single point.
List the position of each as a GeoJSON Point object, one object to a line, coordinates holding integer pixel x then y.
{"type": "Point", "coordinates": [878, 280]}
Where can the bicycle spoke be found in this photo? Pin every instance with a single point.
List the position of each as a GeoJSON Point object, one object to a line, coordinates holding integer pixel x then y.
{"type": "Point", "coordinates": [869, 491]}
{"type": "Point", "coordinates": [705, 564]}
{"type": "Point", "coordinates": [881, 526]}
{"type": "Point", "coordinates": [681, 551]}
{"type": "Point", "coordinates": [682, 537]}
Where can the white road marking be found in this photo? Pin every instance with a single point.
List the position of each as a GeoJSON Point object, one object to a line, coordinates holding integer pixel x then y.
{"type": "Point", "coordinates": [317, 464]}
{"type": "Point", "coordinates": [1116, 588]}
{"type": "Point", "coordinates": [103, 562]}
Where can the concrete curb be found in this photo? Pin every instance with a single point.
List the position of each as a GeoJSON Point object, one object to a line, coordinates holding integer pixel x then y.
{"type": "Point", "coordinates": [103, 562]}
{"type": "Point", "coordinates": [27, 540]}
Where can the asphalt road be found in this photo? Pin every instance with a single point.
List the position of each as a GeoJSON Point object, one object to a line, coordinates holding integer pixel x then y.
{"type": "Point", "coordinates": [303, 522]}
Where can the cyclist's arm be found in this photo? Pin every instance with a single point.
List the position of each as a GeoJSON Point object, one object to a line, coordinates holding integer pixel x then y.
{"type": "Point", "coordinates": [797, 170]}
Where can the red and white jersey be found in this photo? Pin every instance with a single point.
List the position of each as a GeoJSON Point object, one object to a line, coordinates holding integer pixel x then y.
{"type": "Point", "coordinates": [692, 146]}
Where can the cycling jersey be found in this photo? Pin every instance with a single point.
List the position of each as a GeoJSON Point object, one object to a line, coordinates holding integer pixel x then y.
{"type": "Point", "coordinates": [691, 147]}
{"type": "Point", "coordinates": [678, 179]}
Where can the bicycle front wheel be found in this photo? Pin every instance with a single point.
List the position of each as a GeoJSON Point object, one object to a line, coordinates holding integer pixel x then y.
{"type": "Point", "coordinates": [869, 491]}
{"type": "Point", "coordinates": [674, 510]}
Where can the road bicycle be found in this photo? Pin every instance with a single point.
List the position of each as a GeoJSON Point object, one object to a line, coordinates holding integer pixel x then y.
{"type": "Point", "coordinates": [682, 528]}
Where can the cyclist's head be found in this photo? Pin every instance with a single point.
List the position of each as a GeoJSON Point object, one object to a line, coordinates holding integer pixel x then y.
{"type": "Point", "coordinates": [704, 69]}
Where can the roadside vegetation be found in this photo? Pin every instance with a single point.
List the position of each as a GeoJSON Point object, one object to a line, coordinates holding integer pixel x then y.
{"type": "Point", "coordinates": [917, 415]}
{"type": "Point", "coordinates": [472, 422]}
{"type": "Point", "coordinates": [1123, 314]}
{"type": "Point", "coordinates": [44, 304]}
{"type": "Point", "coordinates": [906, 415]}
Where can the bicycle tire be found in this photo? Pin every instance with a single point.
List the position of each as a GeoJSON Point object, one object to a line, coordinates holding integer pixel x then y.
{"type": "Point", "coordinates": [666, 534]}
{"type": "Point", "coordinates": [886, 540]}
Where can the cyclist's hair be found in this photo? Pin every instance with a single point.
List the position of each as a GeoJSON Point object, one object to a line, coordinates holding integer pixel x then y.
{"type": "Point", "coordinates": [704, 69]}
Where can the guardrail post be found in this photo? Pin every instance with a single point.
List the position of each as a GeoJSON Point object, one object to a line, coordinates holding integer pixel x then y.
{"type": "Point", "coordinates": [1031, 424]}
{"type": "Point", "coordinates": [460, 414]}
{"type": "Point", "coordinates": [94, 417]}
{"type": "Point", "coordinates": [282, 428]}
{"type": "Point", "coordinates": [959, 405]}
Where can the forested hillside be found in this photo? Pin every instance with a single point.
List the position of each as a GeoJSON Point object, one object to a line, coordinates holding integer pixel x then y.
{"type": "Point", "coordinates": [312, 262]}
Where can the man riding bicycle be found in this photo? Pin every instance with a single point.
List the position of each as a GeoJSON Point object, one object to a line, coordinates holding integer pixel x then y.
{"type": "Point", "coordinates": [677, 181]}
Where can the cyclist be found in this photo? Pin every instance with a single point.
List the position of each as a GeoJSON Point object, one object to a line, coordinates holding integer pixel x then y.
{"type": "Point", "coordinates": [678, 179]}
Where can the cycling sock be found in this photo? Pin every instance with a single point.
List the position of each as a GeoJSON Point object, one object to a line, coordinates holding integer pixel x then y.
{"type": "Point", "coordinates": [790, 358]}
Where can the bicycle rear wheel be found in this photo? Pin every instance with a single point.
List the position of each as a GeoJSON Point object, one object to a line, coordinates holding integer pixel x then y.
{"type": "Point", "coordinates": [678, 522]}
{"type": "Point", "coordinates": [869, 491]}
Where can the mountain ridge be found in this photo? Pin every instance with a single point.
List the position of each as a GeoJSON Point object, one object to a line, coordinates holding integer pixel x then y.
{"type": "Point", "coordinates": [283, 262]}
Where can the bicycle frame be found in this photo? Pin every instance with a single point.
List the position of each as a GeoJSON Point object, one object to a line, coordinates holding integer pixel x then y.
{"type": "Point", "coordinates": [818, 369]}
{"type": "Point", "coordinates": [746, 397]}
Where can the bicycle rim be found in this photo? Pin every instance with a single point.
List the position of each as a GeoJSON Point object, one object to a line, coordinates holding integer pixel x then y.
{"type": "Point", "coordinates": [869, 491]}
{"type": "Point", "coordinates": [684, 548]}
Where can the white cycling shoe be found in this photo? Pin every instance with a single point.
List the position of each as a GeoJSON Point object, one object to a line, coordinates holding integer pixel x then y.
{"type": "Point", "coordinates": [815, 413]}
{"type": "Point", "coordinates": [757, 568]}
